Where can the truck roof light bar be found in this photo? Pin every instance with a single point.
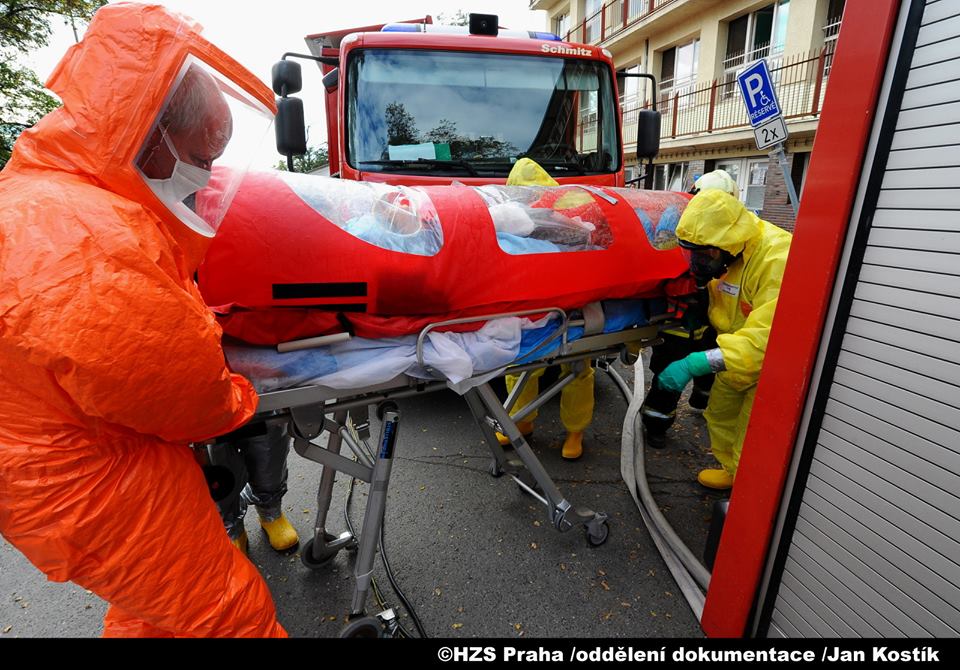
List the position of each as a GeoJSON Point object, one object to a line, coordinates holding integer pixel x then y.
{"type": "Point", "coordinates": [464, 30]}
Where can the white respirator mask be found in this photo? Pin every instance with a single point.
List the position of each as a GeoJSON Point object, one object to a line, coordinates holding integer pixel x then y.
{"type": "Point", "coordinates": [185, 180]}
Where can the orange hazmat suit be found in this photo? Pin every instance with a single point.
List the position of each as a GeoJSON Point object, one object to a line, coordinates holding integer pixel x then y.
{"type": "Point", "coordinates": [111, 363]}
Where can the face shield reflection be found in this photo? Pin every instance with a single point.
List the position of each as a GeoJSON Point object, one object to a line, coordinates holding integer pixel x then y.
{"type": "Point", "coordinates": [201, 144]}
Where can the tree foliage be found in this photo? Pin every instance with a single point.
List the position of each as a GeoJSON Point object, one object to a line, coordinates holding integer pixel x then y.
{"type": "Point", "coordinates": [458, 18]}
{"type": "Point", "coordinates": [402, 129]}
{"type": "Point", "coordinates": [315, 158]}
{"type": "Point", "coordinates": [401, 126]}
{"type": "Point", "coordinates": [25, 27]}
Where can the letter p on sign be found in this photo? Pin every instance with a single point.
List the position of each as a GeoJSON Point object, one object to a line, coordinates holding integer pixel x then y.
{"type": "Point", "coordinates": [754, 84]}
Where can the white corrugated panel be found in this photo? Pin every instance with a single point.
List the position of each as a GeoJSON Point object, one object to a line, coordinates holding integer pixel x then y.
{"type": "Point", "coordinates": [876, 546]}
{"type": "Point", "coordinates": [940, 10]}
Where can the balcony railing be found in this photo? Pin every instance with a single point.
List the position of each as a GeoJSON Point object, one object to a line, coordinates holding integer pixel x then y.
{"type": "Point", "coordinates": [716, 106]}
{"type": "Point", "coordinates": [611, 18]}
{"type": "Point", "coordinates": [733, 64]}
{"type": "Point", "coordinates": [830, 32]}
{"type": "Point", "coordinates": [832, 29]}
{"type": "Point", "coordinates": [736, 61]}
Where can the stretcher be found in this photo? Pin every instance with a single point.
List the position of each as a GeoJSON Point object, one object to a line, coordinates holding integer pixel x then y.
{"type": "Point", "coordinates": [328, 402]}
{"type": "Point", "coordinates": [435, 287]}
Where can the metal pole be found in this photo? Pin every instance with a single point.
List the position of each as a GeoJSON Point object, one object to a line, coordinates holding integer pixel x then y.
{"type": "Point", "coordinates": [788, 180]}
{"type": "Point", "coordinates": [376, 504]}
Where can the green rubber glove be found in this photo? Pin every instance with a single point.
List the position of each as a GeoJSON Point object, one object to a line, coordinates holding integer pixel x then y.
{"type": "Point", "coordinates": [679, 373]}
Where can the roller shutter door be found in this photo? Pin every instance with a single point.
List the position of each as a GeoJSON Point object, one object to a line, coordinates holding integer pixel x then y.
{"type": "Point", "coordinates": [874, 548]}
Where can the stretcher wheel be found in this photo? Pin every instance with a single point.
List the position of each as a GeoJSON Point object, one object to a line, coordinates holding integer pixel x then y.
{"type": "Point", "coordinates": [628, 357]}
{"type": "Point", "coordinates": [364, 627]}
{"type": "Point", "coordinates": [597, 533]}
{"type": "Point", "coordinates": [306, 555]}
{"type": "Point", "coordinates": [386, 406]}
{"type": "Point", "coordinates": [495, 469]}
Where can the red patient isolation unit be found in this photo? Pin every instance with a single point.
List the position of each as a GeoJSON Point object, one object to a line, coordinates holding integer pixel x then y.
{"type": "Point", "coordinates": [302, 255]}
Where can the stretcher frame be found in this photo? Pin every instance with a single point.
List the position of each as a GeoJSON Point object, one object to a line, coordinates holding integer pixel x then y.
{"type": "Point", "coordinates": [311, 410]}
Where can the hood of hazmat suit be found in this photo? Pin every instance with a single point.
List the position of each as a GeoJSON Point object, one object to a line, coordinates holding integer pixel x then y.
{"type": "Point", "coordinates": [743, 300]}
{"type": "Point", "coordinates": [111, 362]}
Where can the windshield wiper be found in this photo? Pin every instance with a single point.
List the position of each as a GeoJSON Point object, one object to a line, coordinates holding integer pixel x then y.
{"type": "Point", "coordinates": [419, 162]}
{"type": "Point", "coordinates": [561, 165]}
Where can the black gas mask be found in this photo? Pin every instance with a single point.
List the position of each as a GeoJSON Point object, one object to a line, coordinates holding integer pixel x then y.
{"type": "Point", "coordinates": [705, 262]}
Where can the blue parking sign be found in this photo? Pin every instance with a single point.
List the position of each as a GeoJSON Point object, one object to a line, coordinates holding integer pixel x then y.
{"type": "Point", "coordinates": [758, 93]}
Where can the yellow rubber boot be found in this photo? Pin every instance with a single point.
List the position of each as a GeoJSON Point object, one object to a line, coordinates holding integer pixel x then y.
{"type": "Point", "coordinates": [718, 479]}
{"type": "Point", "coordinates": [240, 542]}
{"type": "Point", "coordinates": [525, 428]}
{"type": "Point", "coordinates": [573, 446]}
{"type": "Point", "coordinates": [281, 533]}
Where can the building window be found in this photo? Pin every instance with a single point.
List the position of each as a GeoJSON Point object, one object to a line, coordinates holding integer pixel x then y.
{"type": "Point", "coordinates": [751, 177]}
{"type": "Point", "coordinates": [631, 88]}
{"type": "Point", "coordinates": [678, 68]}
{"type": "Point", "coordinates": [734, 169]}
{"type": "Point", "coordinates": [561, 25]}
{"type": "Point", "coordinates": [798, 171]}
{"type": "Point", "coordinates": [670, 177]}
{"type": "Point", "coordinates": [760, 34]}
{"type": "Point", "coordinates": [593, 20]}
{"type": "Point", "coordinates": [830, 32]}
{"type": "Point", "coordinates": [756, 183]}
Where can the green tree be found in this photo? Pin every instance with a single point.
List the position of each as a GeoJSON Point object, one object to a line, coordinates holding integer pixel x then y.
{"type": "Point", "coordinates": [458, 18]}
{"type": "Point", "coordinates": [401, 126]}
{"type": "Point", "coordinates": [315, 158]}
{"type": "Point", "coordinates": [24, 27]}
{"type": "Point", "coordinates": [444, 133]}
{"type": "Point", "coordinates": [462, 147]}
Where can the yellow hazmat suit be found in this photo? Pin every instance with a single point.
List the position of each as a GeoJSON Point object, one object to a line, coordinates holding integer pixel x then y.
{"type": "Point", "coordinates": [111, 362]}
{"type": "Point", "coordinates": [576, 398]}
{"type": "Point", "coordinates": [741, 309]}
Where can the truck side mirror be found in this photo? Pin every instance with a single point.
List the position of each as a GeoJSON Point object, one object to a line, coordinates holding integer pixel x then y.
{"type": "Point", "coordinates": [291, 131]}
{"type": "Point", "coordinates": [287, 77]}
{"type": "Point", "coordinates": [331, 80]}
{"type": "Point", "coordinates": [648, 133]}
{"type": "Point", "coordinates": [290, 128]}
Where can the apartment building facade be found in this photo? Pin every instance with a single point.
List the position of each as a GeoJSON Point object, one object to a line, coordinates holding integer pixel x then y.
{"type": "Point", "coordinates": [695, 48]}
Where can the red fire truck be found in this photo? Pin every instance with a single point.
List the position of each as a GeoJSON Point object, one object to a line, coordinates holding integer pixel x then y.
{"type": "Point", "coordinates": [410, 105]}
{"type": "Point", "coordinates": [416, 103]}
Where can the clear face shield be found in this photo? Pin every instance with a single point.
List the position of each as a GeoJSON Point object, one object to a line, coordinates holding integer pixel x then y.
{"type": "Point", "coordinates": [201, 144]}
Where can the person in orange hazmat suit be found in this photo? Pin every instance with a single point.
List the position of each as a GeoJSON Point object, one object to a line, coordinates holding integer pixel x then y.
{"type": "Point", "coordinates": [111, 362]}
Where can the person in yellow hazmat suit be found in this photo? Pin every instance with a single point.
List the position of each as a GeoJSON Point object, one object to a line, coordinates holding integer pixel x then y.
{"type": "Point", "coordinates": [741, 258]}
{"type": "Point", "coordinates": [691, 332]}
{"type": "Point", "coordinates": [112, 364]}
{"type": "Point", "coordinates": [576, 398]}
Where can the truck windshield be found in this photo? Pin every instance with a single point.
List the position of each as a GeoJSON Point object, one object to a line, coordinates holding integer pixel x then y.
{"type": "Point", "coordinates": [474, 114]}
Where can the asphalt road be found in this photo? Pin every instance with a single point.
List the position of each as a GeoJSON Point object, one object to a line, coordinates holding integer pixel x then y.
{"type": "Point", "coordinates": [474, 555]}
